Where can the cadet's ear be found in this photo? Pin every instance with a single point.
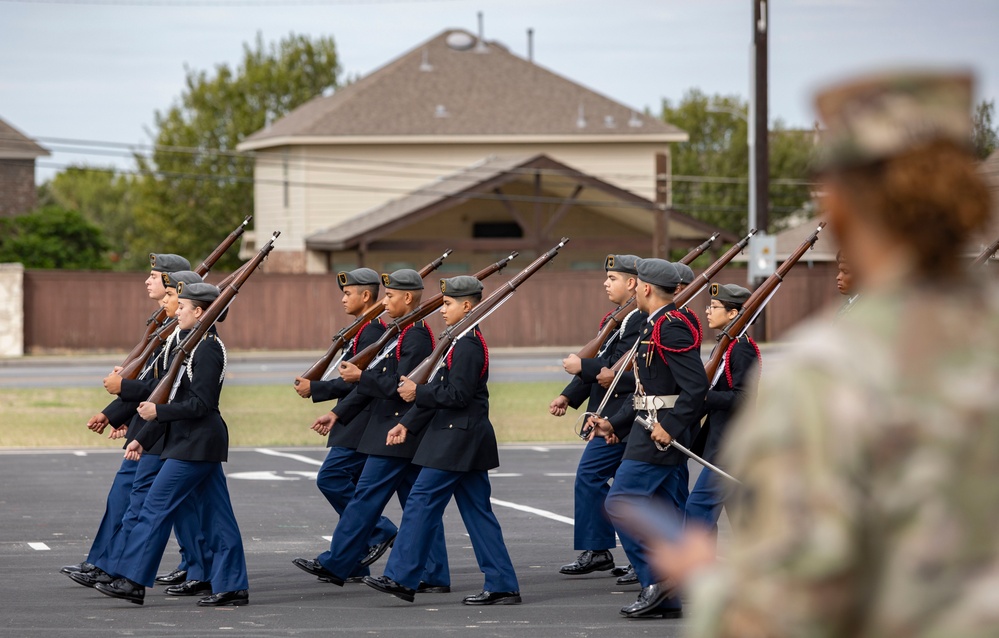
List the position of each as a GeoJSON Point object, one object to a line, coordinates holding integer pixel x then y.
{"type": "Point", "coordinates": [632, 283]}
{"type": "Point", "coordinates": [466, 306]}
{"type": "Point", "coordinates": [409, 298]}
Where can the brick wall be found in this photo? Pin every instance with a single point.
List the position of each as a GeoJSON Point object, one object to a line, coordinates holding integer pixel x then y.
{"type": "Point", "coordinates": [17, 187]}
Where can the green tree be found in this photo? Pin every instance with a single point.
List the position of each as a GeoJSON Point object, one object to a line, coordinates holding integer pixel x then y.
{"type": "Point", "coordinates": [984, 134]}
{"type": "Point", "coordinates": [53, 237]}
{"type": "Point", "coordinates": [711, 170]}
{"type": "Point", "coordinates": [194, 189]}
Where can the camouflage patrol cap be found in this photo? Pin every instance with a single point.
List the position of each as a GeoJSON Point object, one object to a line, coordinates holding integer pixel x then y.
{"type": "Point", "coordinates": [878, 116]}
{"type": "Point", "coordinates": [686, 273]}
{"type": "Point", "coordinates": [168, 262]}
{"type": "Point", "coordinates": [404, 279]}
{"type": "Point", "coordinates": [730, 293]}
{"type": "Point", "coordinates": [171, 279]}
{"type": "Point", "coordinates": [461, 286]}
{"type": "Point", "coordinates": [659, 272]}
{"type": "Point", "coordinates": [621, 263]}
{"type": "Point", "coordinates": [198, 291]}
{"type": "Point", "coordinates": [357, 277]}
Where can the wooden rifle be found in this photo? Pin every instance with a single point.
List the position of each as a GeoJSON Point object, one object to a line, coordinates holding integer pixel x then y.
{"type": "Point", "coordinates": [342, 338]}
{"type": "Point", "coordinates": [158, 318]}
{"type": "Point", "coordinates": [364, 358]}
{"type": "Point", "coordinates": [421, 373]}
{"type": "Point", "coordinates": [161, 394]}
{"type": "Point", "coordinates": [986, 254]}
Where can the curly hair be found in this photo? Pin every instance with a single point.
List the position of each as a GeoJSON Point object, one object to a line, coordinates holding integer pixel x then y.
{"type": "Point", "coordinates": [931, 197]}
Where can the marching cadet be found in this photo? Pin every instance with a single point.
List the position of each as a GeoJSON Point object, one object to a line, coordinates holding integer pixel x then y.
{"type": "Point", "coordinates": [456, 453]}
{"type": "Point", "coordinates": [844, 283]}
{"type": "Point", "coordinates": [593, 534]}
{"type": "Point", "coordinates": [870, 462]}
{"type": "Point", "coordinates": [118, 414]}
{"type": "Point", "coordinates": [387, 469]}
{"type": "Point", "coordinates": [670, 389]}
{"type": "Point", "coordinates": [338, 475]}
{"type": "Point", "coordinates": [195, 444]}
{"type": "Point", "coordinates": [729, 391]}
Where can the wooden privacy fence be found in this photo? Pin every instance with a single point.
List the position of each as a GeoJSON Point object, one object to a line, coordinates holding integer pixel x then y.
{"type": "Point", "coordinates": [102, 311]}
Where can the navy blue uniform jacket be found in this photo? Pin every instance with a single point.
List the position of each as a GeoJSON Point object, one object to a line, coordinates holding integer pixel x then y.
{"type": "Point", "coordinates": [728, 395]}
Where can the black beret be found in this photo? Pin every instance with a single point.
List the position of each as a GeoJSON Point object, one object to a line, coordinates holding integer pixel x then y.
{"type": "Point", "coordinates": [659, 272]}
{"type": "Point", "coordinates": [621, 263]}
{"type": "Point", "coordinates": [170, 279]}
{"type": "Point", "coordinates": [686, 273]}
{"type": "Point", "coordinates": [168, 262]}
{"type": "Point", "coordinates": [461, 286]}
{"type": "Point", "coordinates": [730, 293]}
{"type": "Point", "coordinates": [404, 279]}
{"type": "Point", "coordinates": [357, 277]}
{"type": "Point", "coordinates": [197, 291]}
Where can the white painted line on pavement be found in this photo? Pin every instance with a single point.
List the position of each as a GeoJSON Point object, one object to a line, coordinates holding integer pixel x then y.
{"type": "Point", "coordinates": [504, 475]}
{"type": "Point", "coordinates": [261, 475]}
{"type": "Point", "coordinates": [533, 510]}
{"type": "Point", "coordinates": [42, 547]}
{"type": "Point", "coordinates": [288, 455]}
{"type": "Point", "coordinates": [560, 474]}
{"type": "Point", "coordinates": [541, 449]}
{"type": "Point", "coordinates": [79, 453]}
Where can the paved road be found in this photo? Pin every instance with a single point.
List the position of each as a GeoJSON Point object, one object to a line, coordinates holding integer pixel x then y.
{"type": "Point", "coordinates": [52, 502]}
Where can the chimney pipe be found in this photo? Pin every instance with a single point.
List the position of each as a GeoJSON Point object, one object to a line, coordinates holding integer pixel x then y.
{"type": "Point", "coordinates": [481, 47]}
{"type": "Point", "coordinates": [530, 45]}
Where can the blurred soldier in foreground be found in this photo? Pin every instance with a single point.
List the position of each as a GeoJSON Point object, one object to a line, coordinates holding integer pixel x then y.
{"type": "Point", "coordinates": [870, 465]}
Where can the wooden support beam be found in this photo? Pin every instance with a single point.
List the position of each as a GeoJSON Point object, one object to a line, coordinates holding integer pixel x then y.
{"type": "Point", "coordinates": [512, 211]}
{"type": "Point", "coordinates": [562, 210]}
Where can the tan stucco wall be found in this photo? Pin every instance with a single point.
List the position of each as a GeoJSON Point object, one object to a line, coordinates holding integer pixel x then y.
{"type": "Point", "coordinates": [11, 310]}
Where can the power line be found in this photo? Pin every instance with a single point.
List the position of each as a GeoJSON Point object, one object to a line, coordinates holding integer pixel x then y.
{"type": "Point", "coordinates": [221, 3]}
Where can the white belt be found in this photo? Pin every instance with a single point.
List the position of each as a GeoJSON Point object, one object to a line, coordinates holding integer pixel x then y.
{"type": "Point", "coordinates": [654, 402]}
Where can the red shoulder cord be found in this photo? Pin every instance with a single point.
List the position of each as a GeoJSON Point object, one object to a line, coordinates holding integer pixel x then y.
{"type": "Point", "coordinates": [485, 350]}
{"type": "Point", "coordinates": [398, 345]}
{"type": "Point", "coordinates": [657, 338]}
{"type": "Point", "coordinates": [697, 320]}
{"type": "Point", "coordinates": [357, 337]}
{"type": "Point", "coordinates": [728, 360]}
{"type": "Point", "coordinates": [604, 320]}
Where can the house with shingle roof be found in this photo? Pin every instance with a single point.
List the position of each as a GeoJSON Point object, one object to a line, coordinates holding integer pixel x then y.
{"type": "Point", "coordinates": [17, 171]}
{"type": "Point", "coordinates": [460, 142]}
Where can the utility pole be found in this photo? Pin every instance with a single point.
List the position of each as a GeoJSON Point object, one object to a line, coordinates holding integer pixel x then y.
{"type": "Point", "coordinates": [762, 260]}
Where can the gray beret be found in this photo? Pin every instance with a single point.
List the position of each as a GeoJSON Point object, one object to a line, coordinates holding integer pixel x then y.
{"type": "Point", "coordinates": [170, 279]}
{"type": "Point", "coordinates": [659, 272]}
{"type": "Point", "coordinates": [461, 286]}
{"type": "Point", "coordinates": [357, 277]}
{"type": "Point", "coordinates": [404, 279]}
{"type": "Point", "coordinates": [686, 273]}
{"type": "Point", "coordinates": [197, 291]}
{"type": "Point", "coordinates": [621, 263]}
{"type": "Point", "coordinates": [730, 293]}
{"type": "Point", "coordinates": [168, 262]}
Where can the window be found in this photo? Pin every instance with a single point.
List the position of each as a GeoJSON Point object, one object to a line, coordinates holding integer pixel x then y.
{"type": "Point", "coordinates": [496, 230]}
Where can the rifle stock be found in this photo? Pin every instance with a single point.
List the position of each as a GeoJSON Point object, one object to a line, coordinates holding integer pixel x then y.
{"type": "Point", "coordinates": [341, 338]}
{"type": "Point", "coordinates": [591, 349]}
{"type": "Point", "coordinates": [161, 393]}
{"type": "Point", "coordinates": [157, 319]}
{"type": "Point", "coordinates": [755, 303]}
{"type": "Point", "coordinates": [364, 358]}
{"type": "Point", "coordinates": [984, 257]}
{"type": "Point", "coordinates": [421, 373]}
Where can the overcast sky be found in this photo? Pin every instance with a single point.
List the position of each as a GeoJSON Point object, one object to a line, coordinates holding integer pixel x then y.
{"type": "Point", "coordinates": [81, 69]}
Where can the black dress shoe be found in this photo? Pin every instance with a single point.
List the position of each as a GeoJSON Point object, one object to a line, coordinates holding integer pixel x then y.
{"type": "Point", "coordinates": [316, 568]}
{"type": "Point", "coordinates": [221, 599]}
{"type": "Point", "coordinates": [427, 588]}
{"type": "Point", "coordinates": [493, 598]}
{"type": "Point", "coordinates": [92, 578]}
{"type": "Point", "coordinates": [123, 588]}
{"type": "Point", "coordinates": [375, 551]}
{"type": "Point", "coordinates": [386, 585]}
{"type": "Point", "coordinates": [189, 588]}
{"type": "Point", "coordinates": [620, 571]}
{"type": "Point", "coordinates": [353, 579]}
{"type": "Point", "coordinates": [629, 577]}
{"type": "Point", "coordinates": [175, 577]}
{"type": "Point", "coordinates": [589, 561]}
{"type": "Point", "coordinates": [79, 567]}
{"type": "Point", "coordinates": [649, 603]}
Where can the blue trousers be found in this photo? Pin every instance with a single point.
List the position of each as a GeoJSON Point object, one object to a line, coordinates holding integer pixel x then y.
{"type": "Point", "coordinates": [707, 499]}
{"type": "Point", "coordinates": [176, 482]}
{"type": "Point", "coordinates": [596, 468]}
{"type": "Point", "coordinates": [337, 479]}
{"type": "Point", "coordinates": [195, 556]}
{"type": "Point", "coordinates": [381, 477]}
{"type": "Point", "coordinates": [114, 510]}
{"type": "Point", "coordinates": [639, 481]}
{"type": "Point", "coordinates": [424, 510]}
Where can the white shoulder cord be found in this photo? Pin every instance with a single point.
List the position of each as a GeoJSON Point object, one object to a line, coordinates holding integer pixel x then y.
{"type": "Point", "coordinates": [190, 357]}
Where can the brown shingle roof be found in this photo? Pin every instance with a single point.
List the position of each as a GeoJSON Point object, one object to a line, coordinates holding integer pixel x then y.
{"type": "Point", "coordinates": [465, 93]}
{"type": "Point", "coordinates": [16, 145]}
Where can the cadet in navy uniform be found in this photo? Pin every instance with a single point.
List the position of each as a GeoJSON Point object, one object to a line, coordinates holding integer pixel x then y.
{"type": "Point", "coordinates": [118, 414]}
{"type": "Point", "coordinates": [456, 453]}
{"type": "Point", "coordinates": [670, 389]}
{"type": "Point", "coordinates": [730, 388]}
{"type": "Point", "coordinates": [196, 443]}
{"type": "Point", "coordinates": [593, 534]}
{"type": "Point", "coordinates": [387, 470]}
{"type": "Point", "coordinates": [339, 473]}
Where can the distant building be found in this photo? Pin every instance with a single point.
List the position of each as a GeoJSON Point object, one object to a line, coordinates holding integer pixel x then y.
{"type": "Point", "coordinates": [460, 143]}
{"type": "Point", "coordinates": [17, 171]}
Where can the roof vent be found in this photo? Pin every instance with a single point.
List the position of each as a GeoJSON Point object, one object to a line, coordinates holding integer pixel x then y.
{"type": "Point", "coordinates": [460, 40]}
{"type": "Point", "coordinates": [634, 121]}
{"type": "Point", "coordinates": [581, 118]}
{"type": "Point", "coordinates": [425, 66]}
{"type": "Point", "coordinates": [609, 121]}
{"type": "Point", "coordinates": [441, 111]}
{"type": "Point", "coordinates": [480, 45]}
